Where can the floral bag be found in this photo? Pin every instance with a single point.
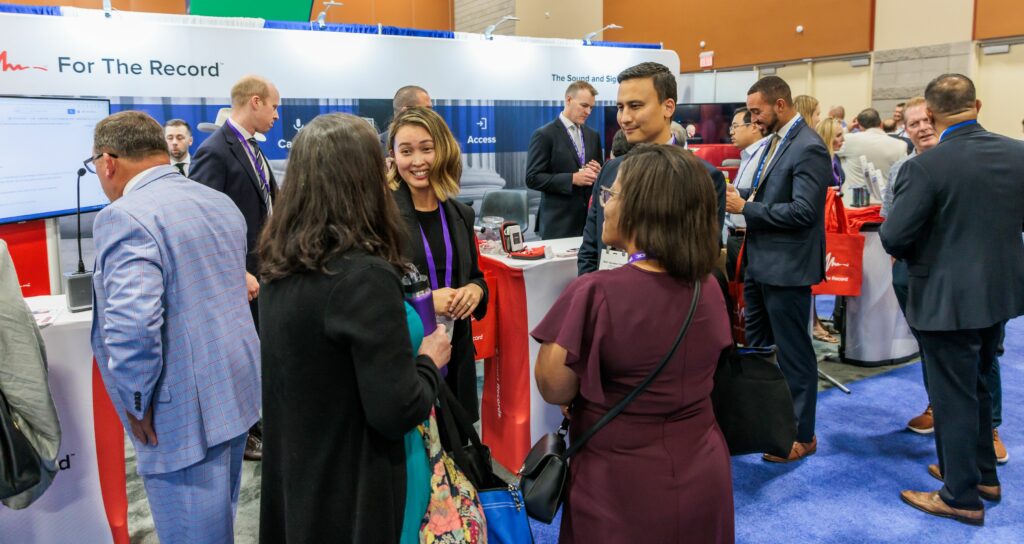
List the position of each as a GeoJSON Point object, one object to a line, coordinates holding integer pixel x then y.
{"type": "Point", "coordinates": [454, 514]}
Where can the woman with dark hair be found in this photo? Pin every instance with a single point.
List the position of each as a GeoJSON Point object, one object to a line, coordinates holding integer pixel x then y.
{"type": "Point", "coordinates": [341, 386]}
{"type": "Point", "coordinates": [440, 242]}
{"type": "Point", "coordinates": [659, 471]}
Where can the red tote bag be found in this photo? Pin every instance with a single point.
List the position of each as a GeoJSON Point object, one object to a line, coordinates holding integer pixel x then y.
{"type": "Point", "coordinates": [844, 253]}
{"type": "Point", "coordinates": [737, 311]}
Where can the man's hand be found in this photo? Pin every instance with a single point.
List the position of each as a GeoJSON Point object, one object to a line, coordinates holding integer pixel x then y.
{"type": "Point", "coordinates": [733, 201]}
{"type": "Point", "coordinates": [595, 166]}
{"type": "Point", "coordinates": [143, 428]}
{"type": "Point", "coordinates": [252, 285]}
{"type": "Point", "coordinates": [585, 177]}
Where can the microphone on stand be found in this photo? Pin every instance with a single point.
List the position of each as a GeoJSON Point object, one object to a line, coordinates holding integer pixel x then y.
{"type": "Point", "coordinates": [78, 285]}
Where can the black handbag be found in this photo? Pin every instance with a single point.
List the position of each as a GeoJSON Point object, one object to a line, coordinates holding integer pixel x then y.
{"type": "Point", "coordinates": [545, 470]}
{"type": "Point", "coordinates": [19, 463]}
{"type": "Point", "coordinates": [751, 399]}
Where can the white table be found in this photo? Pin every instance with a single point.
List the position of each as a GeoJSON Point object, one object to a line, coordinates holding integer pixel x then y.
{"type": "Point", "coordinates": [73, 508]}
{"type": "Point", "coordinates": [544, 281]}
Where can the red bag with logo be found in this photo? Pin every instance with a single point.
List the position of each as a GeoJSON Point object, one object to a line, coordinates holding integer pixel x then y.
{"type": "Point", "coordinates": [737, 308]}
{"type": "Point", "coordinates": [844, 253]}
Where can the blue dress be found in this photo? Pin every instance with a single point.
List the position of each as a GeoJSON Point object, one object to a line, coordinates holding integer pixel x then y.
{"type": "Point", "coordinates": [417, 466]}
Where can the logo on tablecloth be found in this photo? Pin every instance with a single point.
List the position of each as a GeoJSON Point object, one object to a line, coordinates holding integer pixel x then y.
{"type": "Point", "coordinates": [6, 66]}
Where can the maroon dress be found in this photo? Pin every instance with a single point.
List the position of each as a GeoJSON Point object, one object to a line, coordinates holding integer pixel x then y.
{"type": "Point", "coordinates": [659, 472]}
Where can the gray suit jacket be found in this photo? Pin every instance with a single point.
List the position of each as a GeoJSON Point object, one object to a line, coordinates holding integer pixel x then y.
{"type": "Point", "coordinates": [24, 379]}
{"type": "Point", "coordinates": [956, 219]}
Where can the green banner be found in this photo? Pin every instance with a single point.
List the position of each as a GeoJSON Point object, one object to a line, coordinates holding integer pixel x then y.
{"type": "Point", "coordinates": [277, 10]}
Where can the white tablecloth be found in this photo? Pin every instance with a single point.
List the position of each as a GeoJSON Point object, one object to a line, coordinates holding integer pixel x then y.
{"type": "Point", "coordinates": [544, 281]}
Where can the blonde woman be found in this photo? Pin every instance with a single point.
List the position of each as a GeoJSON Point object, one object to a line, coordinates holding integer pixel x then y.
{"type": "Point", "coordinates": [424, 176]}
{"type": "Point", "coordinates": [831, 132]}
{"type": "Point", "coordinates": [808, 108]}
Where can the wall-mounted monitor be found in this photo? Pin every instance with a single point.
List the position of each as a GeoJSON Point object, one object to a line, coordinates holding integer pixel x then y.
{"type": "Point", "coordinates": [43, 142]}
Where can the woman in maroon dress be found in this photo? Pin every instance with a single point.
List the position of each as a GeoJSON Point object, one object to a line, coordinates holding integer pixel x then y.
{"type": "Point", "coordinates": [659, 472]}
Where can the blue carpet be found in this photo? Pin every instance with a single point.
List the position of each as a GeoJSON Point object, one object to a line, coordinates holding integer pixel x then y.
{"type": "Point", "coordinates": [849, 490]}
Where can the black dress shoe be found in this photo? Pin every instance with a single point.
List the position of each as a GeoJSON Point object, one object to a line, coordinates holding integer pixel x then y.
{"type": "Point", "coordinates": [253, 449]}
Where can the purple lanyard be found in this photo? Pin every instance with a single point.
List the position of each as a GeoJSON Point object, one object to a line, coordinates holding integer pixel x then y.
{"type": "Point", "coordinates": [580, 153]}
{"type": "Point", "coordinates": [638, 256]}
{"type": "Point", "coordinates": [447, 252]}
{"type": "Point", "coordinates": [255, 160]}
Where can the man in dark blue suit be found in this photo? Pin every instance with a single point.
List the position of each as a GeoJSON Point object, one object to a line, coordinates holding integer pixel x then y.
{"type": "Point", "coordinates": [231, 161]}
{"type": "Point", "coordinates": [785, 246]}
{"type": "Point", "coordinates": [956, 220]}
{"type": "Point", "coordinates": [563, 162]}
{"type": "Point", "coordinates": [646, 103]}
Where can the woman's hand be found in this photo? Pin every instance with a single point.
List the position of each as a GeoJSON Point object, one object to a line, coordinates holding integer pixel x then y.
{"type": "Point", "coordinates": [437, 347]}
{"type": "Point", "coordinates": [466, 300]}
{"type": "Point", "coordinates": [442, 300]}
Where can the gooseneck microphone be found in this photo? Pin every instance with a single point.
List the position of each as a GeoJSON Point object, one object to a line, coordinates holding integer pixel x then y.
{"type": "Point", "coordinates": [78, 213]}
{"type": "Point", "coordinates": [78, 285]}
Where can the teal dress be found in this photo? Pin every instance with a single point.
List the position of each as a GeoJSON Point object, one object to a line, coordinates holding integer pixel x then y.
{"type": "Point", "coordinates": [417, 466]}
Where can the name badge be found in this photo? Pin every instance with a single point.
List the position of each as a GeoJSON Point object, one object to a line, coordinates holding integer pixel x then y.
{"type": "Point", "coordinates": [612, 258]}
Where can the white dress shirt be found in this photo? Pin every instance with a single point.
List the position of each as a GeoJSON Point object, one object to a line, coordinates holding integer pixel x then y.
{"type": "Point", "coordinates": [186, 163]}
{"type": "Point", "coordinates": [574, 131]}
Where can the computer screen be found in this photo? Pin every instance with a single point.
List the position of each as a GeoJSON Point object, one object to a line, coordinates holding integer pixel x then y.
{"type": "Point", "coordinates": [43, 142]}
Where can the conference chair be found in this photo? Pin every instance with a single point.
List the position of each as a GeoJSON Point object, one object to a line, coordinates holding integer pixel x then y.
{"type": "Point", "coordinates": [511, 204]}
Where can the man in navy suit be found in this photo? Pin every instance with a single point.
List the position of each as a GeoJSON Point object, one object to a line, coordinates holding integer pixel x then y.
{"type": "Point", "coordinates": [785, 215]}
{"type": "Point", "coordinates": [171, 332]}
{"type": "Point", "coordinates": [646, 102]}
{"type": "Point", "coordinates": [231, 161]}
{"type": "Point", "coordinates": [956, 220]}
{"type": "Point", "coordinates": [563, 163]}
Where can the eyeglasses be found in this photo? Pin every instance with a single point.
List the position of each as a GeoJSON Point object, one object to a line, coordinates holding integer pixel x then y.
{"type": "Point", "coordinates": [88, 162]}
{"type": "Point", "coordinates": [735, 126]}
{"type": "Point", "coordinates": [606, 195]}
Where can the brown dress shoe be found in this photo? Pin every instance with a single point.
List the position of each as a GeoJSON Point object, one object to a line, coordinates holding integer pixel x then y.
{"type": "Point", "coordinates": [1002, 456]}
{"type": "Point", "coordinates": [253, 449]}
{"type": "Point", "coordinates": [992, 493]}
{"type": "Point", "coordinates": [799, 451]}
{"type": "Point", "coordinates": [929, 502]}
{"type": "Point", "coordinates": [924, 423]}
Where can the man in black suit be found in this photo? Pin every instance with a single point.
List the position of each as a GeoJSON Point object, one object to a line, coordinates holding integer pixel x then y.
{"type": "Point", "coordinates": [231, 161]}
{"type": "Point", "coordinates": [646, 102]}
{"type": "Point", "coordinates": [956, 221]}
{"type": "Point", "coordinates": [563, 162]}
{"type": "Point", "coordinates": [785, 215]}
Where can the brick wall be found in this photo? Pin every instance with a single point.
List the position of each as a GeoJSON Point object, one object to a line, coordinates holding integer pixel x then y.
{"type": "Point", "coordinates": [476, 15]}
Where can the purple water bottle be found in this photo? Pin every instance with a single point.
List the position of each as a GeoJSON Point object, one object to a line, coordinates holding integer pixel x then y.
{"type": "Point", "coordinates": [417, 293]}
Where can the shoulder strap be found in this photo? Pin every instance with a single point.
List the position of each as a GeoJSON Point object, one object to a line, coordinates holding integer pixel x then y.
{"type": "Point", "coordinates": [576, 445]}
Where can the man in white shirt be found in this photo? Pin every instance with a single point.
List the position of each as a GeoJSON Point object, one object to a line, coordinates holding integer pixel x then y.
{"type": "Point", "coordinates": [875, 145]}
{"type": "Point", "coordinates": [746, 136]}
{"type": "Point", "coordinates": [178, 134]}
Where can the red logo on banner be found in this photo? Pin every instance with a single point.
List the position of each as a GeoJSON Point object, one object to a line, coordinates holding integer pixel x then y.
{"type": "Point", "coordinates": [7, 67]}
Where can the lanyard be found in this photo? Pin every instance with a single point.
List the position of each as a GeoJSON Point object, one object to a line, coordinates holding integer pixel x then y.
{"type": "Point", "coordinates": [447, 252]}
{"type": "Point", "coordinates": [638, 256]}
{"type": "Point", "coordinates": [956, 126]}
{"type": "Point", "coordinates": [764, 156]}
{"type": "Point", "coordinates": [760, 149]}
{"type": "Point", "coordinates": [255, 160]}
{"type": "Point", "coordinates": [580, 153]}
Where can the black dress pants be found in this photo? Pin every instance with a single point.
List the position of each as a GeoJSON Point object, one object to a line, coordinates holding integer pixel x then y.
{"type": "Point", "coordinates": [781, 316]}
{"type": "Point", "coordinates": [958, 363]}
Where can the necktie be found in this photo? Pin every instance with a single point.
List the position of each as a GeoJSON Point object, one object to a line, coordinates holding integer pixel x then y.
{"type": "Point", "coordinates": [770, 153]}
{"type": "Point", "coordinates": [181, 168]}
{"type": "Point", "coordinates": [261, 172]}
{"type": "Point", "coordinates": [577, 140]}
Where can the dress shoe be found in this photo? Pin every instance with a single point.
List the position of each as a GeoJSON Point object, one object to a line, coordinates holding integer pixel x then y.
{"type": "Point", "coordinates": [1002, 456]}
{"type": "Point", "coordinates": [799, 451]}
{"type": "Point", "coordinates": [929, 502]}
{"type": "Point", "coordinates": [924, 423]}
{"type": "Point", "coordinates": [992, 493]}
{"type": "Point", "coordinates": [253, 449]}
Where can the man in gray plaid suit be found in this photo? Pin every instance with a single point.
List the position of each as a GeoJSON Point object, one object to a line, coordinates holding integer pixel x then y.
{"type": "Point", "coordinates": [172, 332]}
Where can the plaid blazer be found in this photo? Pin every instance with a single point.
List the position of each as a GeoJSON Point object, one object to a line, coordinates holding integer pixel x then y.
{"type": "Point", "coordinates": [171, 321]}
